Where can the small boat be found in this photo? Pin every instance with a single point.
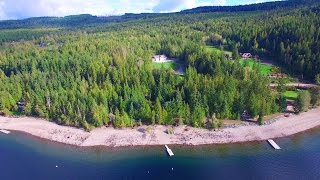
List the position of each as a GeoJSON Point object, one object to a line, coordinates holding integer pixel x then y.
{"type": "Point", "coordinates": [169, 151]}
{"type": "Point", "coordinates": [4, 131]}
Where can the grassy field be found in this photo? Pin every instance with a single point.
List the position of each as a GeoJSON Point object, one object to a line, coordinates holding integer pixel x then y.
{"type": "Point", "coordinates": [293, 95]}
{"type": "Point", "coordinates": [264, 69]}
{"type": "Point", "coordinates": [216, 50]}
{"type": "Point", "coordinates": [167, 65]}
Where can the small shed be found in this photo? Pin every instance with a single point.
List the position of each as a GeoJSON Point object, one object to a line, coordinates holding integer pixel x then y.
{"type": "Point", "coordinates": [21, 105]}
{"type": "Point", "coordinates": [245, 116]}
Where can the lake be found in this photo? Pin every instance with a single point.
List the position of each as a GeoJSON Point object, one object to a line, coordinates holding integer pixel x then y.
{"type": "Point", "coordinates": [25, 157]}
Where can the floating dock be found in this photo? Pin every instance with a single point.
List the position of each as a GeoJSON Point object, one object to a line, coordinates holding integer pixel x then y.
{"type": "Point", "coordinates": [273, 144]}
{"type": "Point", "coordinates": [169, 151]}
{"type": "Point", "coordinates": [4, 131]}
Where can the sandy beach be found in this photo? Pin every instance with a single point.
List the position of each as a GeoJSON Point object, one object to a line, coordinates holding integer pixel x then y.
{"type": "Point", "coordinates": [156, 135]}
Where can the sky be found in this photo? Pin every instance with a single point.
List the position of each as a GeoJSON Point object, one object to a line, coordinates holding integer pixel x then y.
{"type": "Point", "coordinates": [20, 9]}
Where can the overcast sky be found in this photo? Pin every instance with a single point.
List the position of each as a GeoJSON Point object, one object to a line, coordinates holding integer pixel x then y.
{"type": "Point", "coordinates": [19, 9]}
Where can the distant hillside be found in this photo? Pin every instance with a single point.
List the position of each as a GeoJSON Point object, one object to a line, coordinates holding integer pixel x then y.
{"type": "Point", "coordinates": [253, 7]}
{"type": "Point", "coordinates": [69, 21]}
{"type": "Point", "coordinates": [85, 20]}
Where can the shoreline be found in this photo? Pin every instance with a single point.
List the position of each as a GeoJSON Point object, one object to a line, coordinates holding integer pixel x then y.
{"type": "Point", "coordinates": [156, 135]}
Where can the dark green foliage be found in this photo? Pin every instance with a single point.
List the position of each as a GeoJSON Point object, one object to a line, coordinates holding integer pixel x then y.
{"type": "Point", "coordinates": [260, 120]}
{"type": "Point", "coordinates": [235, 53]}
{"type": "Point", "coordinates": [261, 114]}
{"type": "Point", "coordinates": [99, 115]}
{"type": "Point", "coordinates": [315, 96]}
{"type": "Point", "coordinates": [2, 105]}
{"type": "Point", "coordinates": [317, 79]}
{"type": "Point", "coordinates": [303, 101]}
{"type": "Point", "coordinates": [282, 101]}
{"type": "Point", "coordinates": [282, 85]}
{"type": "Point", "coordinates": [252, 7]}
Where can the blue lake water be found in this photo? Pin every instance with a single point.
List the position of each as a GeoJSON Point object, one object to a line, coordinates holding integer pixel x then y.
{"type": "Point", "coordinates": [26, 157]}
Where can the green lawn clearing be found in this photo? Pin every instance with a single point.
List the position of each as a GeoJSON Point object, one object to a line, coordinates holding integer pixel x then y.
{"type": "Point", "coordinates": [293, 95]}
{"type": "Point", "coordinates": [167, 65]}
{"type": "Point", "coordinates": [264, 69]}
{"type": "Point", "coordinates": [213, 49]}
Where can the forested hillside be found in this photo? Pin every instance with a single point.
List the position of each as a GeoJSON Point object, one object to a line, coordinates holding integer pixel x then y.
{"type": "Point", "coordinates": [86, 75]}
{"type": "Point", "coordinates": [281, 5]}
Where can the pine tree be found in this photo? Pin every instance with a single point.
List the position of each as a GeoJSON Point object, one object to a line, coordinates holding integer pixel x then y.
{"type": "Point", "coordinates": [118, 119]}
{"type": "Point", "coordinates": [282, 103]}
{"type": "Point", "coordinates": [317, 79]}
{"type": "Point", "coordinates": [235, 53]}
{"type": "Point", "coordinates": [315, 96]}
{"type": "Point", "coordinates": [282, 51]}
{"type": "Point", "coordinates": [158, 111]}
{"type": "Point", "coordinates": [153, 119]}
{"type": "Point", "coordinates": [303, 102]}
{"type": "Point", "coordinates": [127, 121]}
{"type": "Point", "coordinates": [262, 113]}
{"type": "Point", "coordinates": [1, 105]}
{"type": "Point", "coordinates": [198, 116]}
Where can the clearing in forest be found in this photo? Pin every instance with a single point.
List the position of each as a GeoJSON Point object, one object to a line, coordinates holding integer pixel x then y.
{"type": "Point", "coordinates": [292, 95]}
{"type": "Point", "coordinates": [166, 65]}
{"type": "Point", "coordinates": [263, 68]}
{"type": "Point", "coordinates": [213, 49]}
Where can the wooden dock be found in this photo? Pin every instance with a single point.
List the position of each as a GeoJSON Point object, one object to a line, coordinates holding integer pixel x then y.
{"type": "Point", "coordinates": [274, 144]}
{"type": "Point", "coordinates": [4, 131]}
{"type": "Point", "coordinates": [169, 151]}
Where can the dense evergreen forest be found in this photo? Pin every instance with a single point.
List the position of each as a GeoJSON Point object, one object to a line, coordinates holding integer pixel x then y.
{"type": "Point", "coordinates": [85, 75]}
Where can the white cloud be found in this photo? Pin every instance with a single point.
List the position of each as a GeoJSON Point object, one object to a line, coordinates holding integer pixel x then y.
{"type": "Point", "coordinates": [130, 6]}
{"type": "Point", "coordinates": [30, 8]}
{"type": "Point", "coordinates": [174, 5]}
{"type": "Point", "coordinates": [219, 2]}
{"type": "Point", "coordinates": [213, 3]}
{"type": "Point", "coordinates": [2, 13]}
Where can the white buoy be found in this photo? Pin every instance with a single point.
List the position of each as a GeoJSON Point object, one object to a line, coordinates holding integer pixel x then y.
{"type": "Point", "coordinates": [56, 166]}
{"type": "Point", "coordinates": [172, 169]}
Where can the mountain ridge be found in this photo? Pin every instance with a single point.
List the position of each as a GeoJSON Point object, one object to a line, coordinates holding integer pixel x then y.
{"type": "Point", "coordinates": [78, 20]}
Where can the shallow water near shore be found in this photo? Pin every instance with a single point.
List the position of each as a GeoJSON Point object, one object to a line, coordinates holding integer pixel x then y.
{"type": "Point", "coordinates": [26, 157]}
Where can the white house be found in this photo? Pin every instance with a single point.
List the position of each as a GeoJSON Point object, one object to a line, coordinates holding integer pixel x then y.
{"type": "Point", "coordinates": [246, 55]}
{"type": "Point", "coordinates": [159, 58]}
